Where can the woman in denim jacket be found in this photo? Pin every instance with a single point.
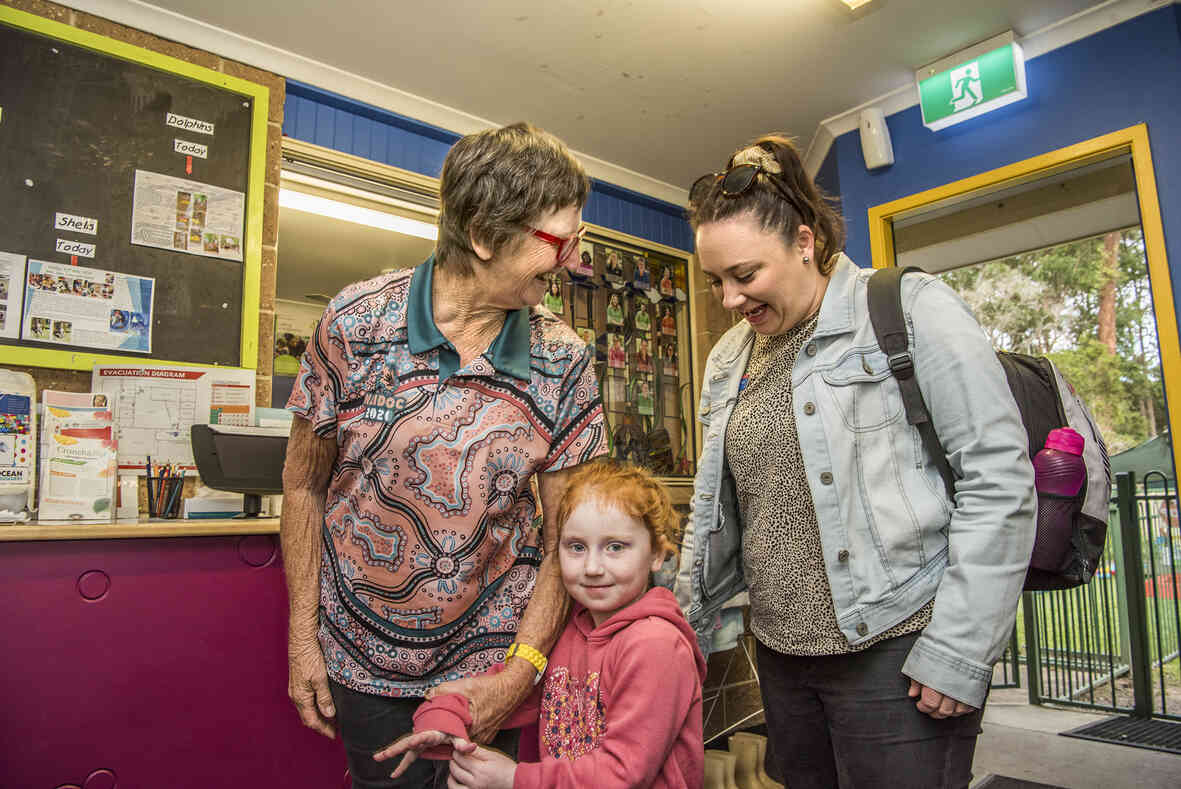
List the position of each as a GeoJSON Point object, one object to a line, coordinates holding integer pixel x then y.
{"type": "Point", "coordinates": [879, 605]}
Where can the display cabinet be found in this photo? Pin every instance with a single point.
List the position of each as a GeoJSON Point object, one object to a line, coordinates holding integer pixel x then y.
{"type": "Point", "coordinates": [629, 299]}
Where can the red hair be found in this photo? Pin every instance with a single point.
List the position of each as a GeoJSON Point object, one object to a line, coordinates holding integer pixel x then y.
{"type": "Point", "coordinates": [632, 490]}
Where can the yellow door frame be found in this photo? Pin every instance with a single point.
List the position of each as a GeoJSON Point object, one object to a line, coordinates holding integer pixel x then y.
{"type": "Point", "coordinates": [1133, 140]}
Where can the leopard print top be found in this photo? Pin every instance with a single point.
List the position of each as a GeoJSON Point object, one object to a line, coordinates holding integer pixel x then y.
{"type": "Point", "coordinates": [791, 607]}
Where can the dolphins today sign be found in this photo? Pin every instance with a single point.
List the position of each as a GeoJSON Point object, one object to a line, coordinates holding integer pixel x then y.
{"type": "Point", "coordinates": [958, 87]}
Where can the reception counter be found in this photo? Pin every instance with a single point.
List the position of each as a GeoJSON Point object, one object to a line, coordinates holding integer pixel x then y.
{"type": "Point", "coordinates": [156, 527]}
{"type": "Point", "coordinates": [146, 654]}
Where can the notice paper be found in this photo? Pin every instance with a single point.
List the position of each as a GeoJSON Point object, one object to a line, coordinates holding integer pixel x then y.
{"type": "Point", "coordinates": [78, 454]}
{"type": "Point", "coordinates": [88, 307]}
{"type": "Point", "coordinates": [156, 407]}
{"type": "Point", "coordinates": [187, 216]}
{"type": "Point", "coordinates": [12, 277]}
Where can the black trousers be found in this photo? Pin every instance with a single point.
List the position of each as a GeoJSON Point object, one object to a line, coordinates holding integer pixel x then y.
{"type": "Point", "coordinates": [846, 721]}
{"type": "Point", "coordinates": [368, 723]}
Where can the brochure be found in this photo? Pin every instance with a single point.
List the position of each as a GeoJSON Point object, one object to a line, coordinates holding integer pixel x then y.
{"type": "Point", "coordinates": [78, 457]}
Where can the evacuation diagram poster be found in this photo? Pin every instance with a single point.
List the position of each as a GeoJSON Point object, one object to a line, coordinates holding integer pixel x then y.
{"type": "Point", "coordinates": [88, 307]}
{"type": "Point", "coordinates": [156, 406]}
{"type": "Point", "coordinates": [187, 216]}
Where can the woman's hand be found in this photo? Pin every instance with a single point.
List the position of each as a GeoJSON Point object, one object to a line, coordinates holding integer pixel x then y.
{"type": "Point", "coordinates": [935, 704]}
{"type": "Point", "coordinates": [473, 767]}
{"type": "Point", "coordinates": [307, 686]}
{"type": "Point", "coordinates": [412, 745]}
{"type": "Point", "coordinates": [491, 697]}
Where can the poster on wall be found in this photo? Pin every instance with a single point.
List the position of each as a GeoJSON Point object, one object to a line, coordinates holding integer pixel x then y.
{"type": "Point", "coordinates": [640, 317]}
{"type": "Point", "coordinates": [616, 355]}
{"type": "Point", "coordinates": [611, 264]}
{"type": "Point", "coordinates": [645, 403]}
{"type": "Point", "coordinates": [643, 354]}
{"type": "Point", "coordinates": [87, 307]}
{"type": "Point", "coordinates": [12, 274]}
{"type": "Point", "coordinates": [187, 216]}
{"type": "Point", "coordinates": [585, 265]}
{"type": "Point", "coordinates": [156, 407]}
{"type": "Point", "coordinates": [641, 276]}
{"type": "Point", "coordinates": [293, 332]}
{"type": "Point", "coordinates": [553, 295]}
{"type": "Point", "coordinates": [668, 356]}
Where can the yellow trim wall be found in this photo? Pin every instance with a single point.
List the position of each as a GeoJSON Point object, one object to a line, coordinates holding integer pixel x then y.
{"type": "Point", "coordinates": [252, 256]}
{"type": "Point", "coordinates": [1134, 140]}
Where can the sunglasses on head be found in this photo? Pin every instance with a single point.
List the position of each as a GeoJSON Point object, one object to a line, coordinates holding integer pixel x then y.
{"type": "Point", "coordinates": [565, 246]}
{"type": "Point", "coordinates": [738, 180]}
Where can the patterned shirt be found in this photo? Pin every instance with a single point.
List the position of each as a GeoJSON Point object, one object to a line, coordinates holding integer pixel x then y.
{"type": "Point", "coordinates": [791, 608]}
{"type": "Point", "coordinates": [430, 542]}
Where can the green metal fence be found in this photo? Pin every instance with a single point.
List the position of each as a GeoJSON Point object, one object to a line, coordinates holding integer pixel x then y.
{"type": "Point", "coordinates": [1113, 644]}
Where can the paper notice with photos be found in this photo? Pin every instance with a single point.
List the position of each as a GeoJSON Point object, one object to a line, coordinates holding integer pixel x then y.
{"type": "Point", "coordinates": [78, 456]}
{"type": "Point", "coordinates": [12, 274]}
{"type": "Point", "coordinates": [87, 307]}
{"type": "Point", "coordinates": [187, 216]}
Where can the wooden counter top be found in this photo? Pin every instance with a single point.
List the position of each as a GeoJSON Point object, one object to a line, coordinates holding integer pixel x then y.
{"type": "Point", "coordinates": [198, 527]}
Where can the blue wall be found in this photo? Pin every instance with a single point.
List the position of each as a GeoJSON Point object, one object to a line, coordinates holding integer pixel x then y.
{"type": "Point", "coordinates": [333, 121]}
{"type": "Point", "coordinates": [1117, 78]}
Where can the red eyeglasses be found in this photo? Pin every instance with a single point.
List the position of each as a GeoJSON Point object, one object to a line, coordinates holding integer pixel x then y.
{"type": "Point", "coordinates": [565, 246]}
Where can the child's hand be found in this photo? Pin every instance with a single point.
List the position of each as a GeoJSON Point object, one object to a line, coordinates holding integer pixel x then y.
{"type": "Point", "coordinates": [473, 767]}
{"type": "Point", "coordinates": [412, 745]}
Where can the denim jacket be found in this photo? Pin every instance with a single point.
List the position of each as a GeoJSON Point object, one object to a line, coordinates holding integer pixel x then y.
{"type": "Point", "coordinates": [891, 538]}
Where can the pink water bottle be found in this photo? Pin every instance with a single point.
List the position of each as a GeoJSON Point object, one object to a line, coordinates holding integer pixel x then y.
{"type": "Point", "coordinates": [1058, 474]}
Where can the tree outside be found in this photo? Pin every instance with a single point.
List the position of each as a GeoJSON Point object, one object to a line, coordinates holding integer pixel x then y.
{"type": "Point", "coordinates": [1087, 306]}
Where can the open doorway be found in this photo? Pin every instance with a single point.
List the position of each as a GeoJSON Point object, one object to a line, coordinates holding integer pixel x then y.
{"type": "Point", "coordinates": [1063, 256]}
{"type": "Point", "coordinates": [1086, 305]}
{"type": "Point", "coordinates": [1055, 266]}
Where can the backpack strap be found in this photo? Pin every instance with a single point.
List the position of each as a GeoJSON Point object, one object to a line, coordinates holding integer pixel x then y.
{"type": "Point", "coordinates": [889, 326]}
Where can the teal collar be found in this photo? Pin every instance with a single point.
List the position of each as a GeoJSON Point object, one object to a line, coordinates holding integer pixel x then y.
{"type": "Point", "coordinates": [509, 352]}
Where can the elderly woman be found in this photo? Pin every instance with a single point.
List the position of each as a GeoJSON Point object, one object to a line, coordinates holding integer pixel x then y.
{"type": "Point", "coordinates": [879, 605]}
{"type": "Point", "coordinates": [428, 403]}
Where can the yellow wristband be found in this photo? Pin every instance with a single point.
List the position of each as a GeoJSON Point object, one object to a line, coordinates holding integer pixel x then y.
{"type": "Point", "coordinates": [526, 652]}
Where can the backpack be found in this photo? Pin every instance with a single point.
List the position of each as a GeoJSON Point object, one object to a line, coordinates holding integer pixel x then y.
{"type": "Point", "coordinates": [1046, 401]}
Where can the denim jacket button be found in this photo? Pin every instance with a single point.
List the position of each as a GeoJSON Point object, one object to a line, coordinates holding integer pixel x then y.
{"type": "Point", "coordinates": [809, 408]}
{"type": "Point", "coordinates": [825, 478]}
{"type": "Point", "coordinates": [862, 628]}
{"type": "Point", "coordinates": [810, 349]}
{"type": "Point", "coordinates": [842, 555]}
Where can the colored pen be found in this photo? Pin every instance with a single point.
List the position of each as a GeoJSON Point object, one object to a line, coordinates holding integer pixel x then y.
{"type": "Point", "coordinates": [151, 498]}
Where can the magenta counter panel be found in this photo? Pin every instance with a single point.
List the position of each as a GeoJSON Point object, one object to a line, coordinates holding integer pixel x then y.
{"type": "Point", "coordinates": [150, 663]}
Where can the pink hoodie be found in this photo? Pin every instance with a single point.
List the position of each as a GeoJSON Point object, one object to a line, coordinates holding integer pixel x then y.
{"type": "Point", "coordinates": [619, 706]}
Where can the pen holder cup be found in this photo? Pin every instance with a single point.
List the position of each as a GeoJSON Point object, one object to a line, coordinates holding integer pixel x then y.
{"type": "Point", "coordinates": [164, 496]}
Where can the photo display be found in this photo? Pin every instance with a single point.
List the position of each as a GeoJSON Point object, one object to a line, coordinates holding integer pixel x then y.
{"type": "Point", "coordinates": [630, 306]}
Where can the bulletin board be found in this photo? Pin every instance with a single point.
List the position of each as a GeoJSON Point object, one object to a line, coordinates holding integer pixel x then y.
{"type": "Point", "coordinates": [131, 186]}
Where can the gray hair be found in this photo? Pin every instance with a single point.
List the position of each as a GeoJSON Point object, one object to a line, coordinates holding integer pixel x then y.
{"type": "Point", "coordinates": [496, 181]}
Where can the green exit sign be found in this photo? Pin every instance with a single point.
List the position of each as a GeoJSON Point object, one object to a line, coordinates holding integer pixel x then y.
{"type": "Point", "coordinates": [972, 87]}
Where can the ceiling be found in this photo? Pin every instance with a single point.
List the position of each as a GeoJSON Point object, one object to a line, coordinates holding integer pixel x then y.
{"type": "Point", "coordinates": [650, 93]}
{"type": "Point", "coordinates": [659, 87]}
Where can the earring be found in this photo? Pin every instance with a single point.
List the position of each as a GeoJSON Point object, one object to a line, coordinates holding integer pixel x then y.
{"type": "Point", "coordinates": [807, 260]}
